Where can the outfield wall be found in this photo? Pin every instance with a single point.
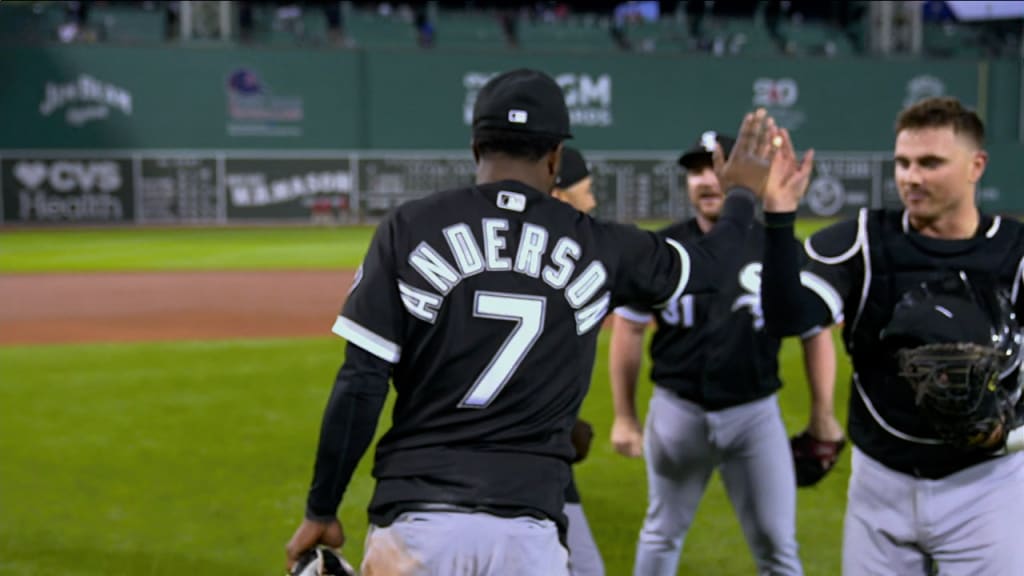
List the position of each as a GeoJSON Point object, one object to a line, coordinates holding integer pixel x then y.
{"type": "Point", "coordinates": [223, 134]}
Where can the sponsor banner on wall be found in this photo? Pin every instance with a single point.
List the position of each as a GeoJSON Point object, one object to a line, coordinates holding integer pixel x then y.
{"type": "Point", "coordinates": [75, 190]}
{"type": "Point", "coordinates": [255, 109]}
{"type": "Point", "coordinates": [286, 188]}
{"type": "Point", "coordinates": [588, 96]}
{"type": "Point", "coordinates": [84, 99]}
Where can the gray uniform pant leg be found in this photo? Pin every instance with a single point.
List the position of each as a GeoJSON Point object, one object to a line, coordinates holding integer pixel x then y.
{"type": "Point", "coordinates": [683, 444]}
{"type": "Point", "coordinates": [584, 557]}
{"type": "Point", "coordinates": [757, 470]}
{"type": "Point", "coordinates": [679, 461]}
{"type": "Point", "coordinates": [968, 523]}
{"type": "Point", "coordinates": [465, 544]}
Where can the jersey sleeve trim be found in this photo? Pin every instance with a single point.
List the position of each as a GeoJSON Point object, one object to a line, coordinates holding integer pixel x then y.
{"type": "Point", "coordinates": [367, 340]}
{"type": "Point", "coordinates": [812, 332]}
{"type": "Point", "coordinates": [825, 291]}
{"type": "Point", "coordinates": [684, 271]}
{"type": "Point", "coordinates": [633, 315]}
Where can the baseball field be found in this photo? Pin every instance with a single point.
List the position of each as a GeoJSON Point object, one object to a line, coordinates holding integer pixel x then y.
{"type": "Point", "coordinates": [161, 393]}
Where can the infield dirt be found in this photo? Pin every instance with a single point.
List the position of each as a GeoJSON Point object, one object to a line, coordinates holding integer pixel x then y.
{"type": "Point", "coordinates": [152, 306]}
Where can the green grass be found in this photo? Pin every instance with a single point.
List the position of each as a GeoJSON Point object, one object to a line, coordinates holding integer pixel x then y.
{"type": "Point", "coordinates": [68, 250]}
{"type": "Point", "coordinates": [194, 458]}
{"type": "Point", "coordinates": [123, 249]}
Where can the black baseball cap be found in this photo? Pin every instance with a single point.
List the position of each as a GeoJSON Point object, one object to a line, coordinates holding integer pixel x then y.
{"type": "Point", "coordinates": [942, 311]}
{"type": "Point", "coordinates": [939, 319]}
{"type": "Point", "coordinates": [574, 168]}
{"type": "Point", "coordinates": [700, 152]}
{"type": "Point", "coordinates": [522, 100]}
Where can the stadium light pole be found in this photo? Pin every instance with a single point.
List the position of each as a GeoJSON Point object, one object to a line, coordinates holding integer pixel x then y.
{"type": "Point", "coordinates": [225, 15]}
{"type": "Point", "coordinates": [185, 20]}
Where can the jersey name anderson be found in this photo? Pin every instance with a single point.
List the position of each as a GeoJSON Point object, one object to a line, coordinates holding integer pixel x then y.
{"type": "Point", "coordinates": [469, 257]}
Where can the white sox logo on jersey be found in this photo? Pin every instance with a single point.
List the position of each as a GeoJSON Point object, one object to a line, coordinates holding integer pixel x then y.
{"type": "Point", "coordinates": [680, 313]}
{"type": "Point", "coordinates": [750, 282]}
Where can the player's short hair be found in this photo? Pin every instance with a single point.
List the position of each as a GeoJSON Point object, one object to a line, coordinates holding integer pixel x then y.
{"type": "Point", "coordinates": [522, 145]}
{"type": "Point", "coordinates": [940, 112]}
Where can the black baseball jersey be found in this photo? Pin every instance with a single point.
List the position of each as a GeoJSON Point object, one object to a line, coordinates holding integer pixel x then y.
{"type": "Point", "coordinates": [699, 337]}
{"type": "Point", "coordinates": [488, 301]}
{"type": "Point", "coordinates": [863, 268]}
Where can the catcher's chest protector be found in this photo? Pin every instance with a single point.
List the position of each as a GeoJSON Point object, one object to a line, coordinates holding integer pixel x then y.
{"type": "Point", "coordinates": [898, 261]}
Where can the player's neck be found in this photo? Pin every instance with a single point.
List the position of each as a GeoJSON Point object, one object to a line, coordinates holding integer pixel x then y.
{"type": "Point", "coordinates": [956, 224]}
{"type": "Point", "coordinates": [528, 173]}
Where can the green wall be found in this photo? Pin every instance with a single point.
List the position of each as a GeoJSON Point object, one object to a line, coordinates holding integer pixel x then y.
{"type": "Point", "coordinates": [168, 133]}
{"type": "Point", "coordinates": [409, 99]}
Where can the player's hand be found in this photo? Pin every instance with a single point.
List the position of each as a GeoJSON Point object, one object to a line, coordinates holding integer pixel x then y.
{"type": "Point", "coordinates": [825, 427]}
{"type": "Point", "coordinates": [309, 534]}
{"type": "Point", "coordinates": [627, 437]}
{"type": "Point", "coordinates": [750, 160]}
{"type": "Point", "coordinates": [787, 178]}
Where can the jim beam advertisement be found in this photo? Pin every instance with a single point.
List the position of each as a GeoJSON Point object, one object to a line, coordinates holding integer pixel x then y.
{"type": "Point", "coordinates": [283, 188]}
{"type": "Point", "coordinates": [81, 190]}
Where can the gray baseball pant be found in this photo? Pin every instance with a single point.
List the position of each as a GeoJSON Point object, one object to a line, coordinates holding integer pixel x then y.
{"type": "Point", "coordinates": [683, 444]}
{"type": "Point", "coordinates": [968, 523]}
{"type": "Point", "coordinates": [464, 544]}
{"type": "Point", "coordinates": [584, 558]}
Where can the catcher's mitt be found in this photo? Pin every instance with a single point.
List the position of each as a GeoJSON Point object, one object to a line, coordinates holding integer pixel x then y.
{"type": "Point", "coordinates": [321, 561]}
{"type": "Point", "coordinates": [813, 458]}
{"type": "Point", "coordinates": [582, 436]}
{"type": "Point", "coordinates": [956, 388]}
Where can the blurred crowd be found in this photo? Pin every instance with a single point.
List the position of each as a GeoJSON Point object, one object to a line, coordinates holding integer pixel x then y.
{"type": "Point", "coordinates": [712, 26]}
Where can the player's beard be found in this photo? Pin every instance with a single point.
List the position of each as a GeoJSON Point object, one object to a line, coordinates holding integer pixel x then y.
{"type": "Point", "coordinates": [708, 203]}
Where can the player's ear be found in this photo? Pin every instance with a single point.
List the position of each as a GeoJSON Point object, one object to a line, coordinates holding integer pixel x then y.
{"type": "Point", "coordinates": [554, 160]}
{"type": "Point", "coordinates": [476, 151]}
{"type": "Point", "coordinates": [978, 163]}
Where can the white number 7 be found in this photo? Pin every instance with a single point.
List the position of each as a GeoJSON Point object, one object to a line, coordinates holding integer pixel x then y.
{"type": "Point", "coordinates": [528, 314]}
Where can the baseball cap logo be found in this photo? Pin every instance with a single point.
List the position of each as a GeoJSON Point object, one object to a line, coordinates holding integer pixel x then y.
{"type": "Point", "coordinates": [708, 140]}
{"type": "Point", "coordinates": [517, 116]}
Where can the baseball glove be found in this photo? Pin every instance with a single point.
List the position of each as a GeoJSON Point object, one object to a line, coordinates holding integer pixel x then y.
{"type": "Point", "coordinates": [956, 388]}
{"type": "Point", "coordinates": [582, 436]}
{"type": "Point", "coordinates": [813, 458]}
{"type": "Point", "coordinates": [321, 561]}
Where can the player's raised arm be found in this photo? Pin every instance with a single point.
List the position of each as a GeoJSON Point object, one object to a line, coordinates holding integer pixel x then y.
{"type": "Point", "coordinates": [653, 275]}
{"type": "Point", "coordinates": [790, 306]}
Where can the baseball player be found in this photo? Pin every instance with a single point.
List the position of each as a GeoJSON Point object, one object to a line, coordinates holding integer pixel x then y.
{"type": "Point", "coordinates": [919, 498]}
{"type": "Point", "coordinates": [714, 404]}
{"type": "Point", "coordinates": [482, 305]}
{"type": "Point", "coordinates": [574, 186]}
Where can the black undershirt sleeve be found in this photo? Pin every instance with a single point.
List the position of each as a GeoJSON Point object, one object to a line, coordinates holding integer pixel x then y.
{"type": "Point", "coordinates": [789, 308]}
{"type": "Point", "coordinates": [349, 423]}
